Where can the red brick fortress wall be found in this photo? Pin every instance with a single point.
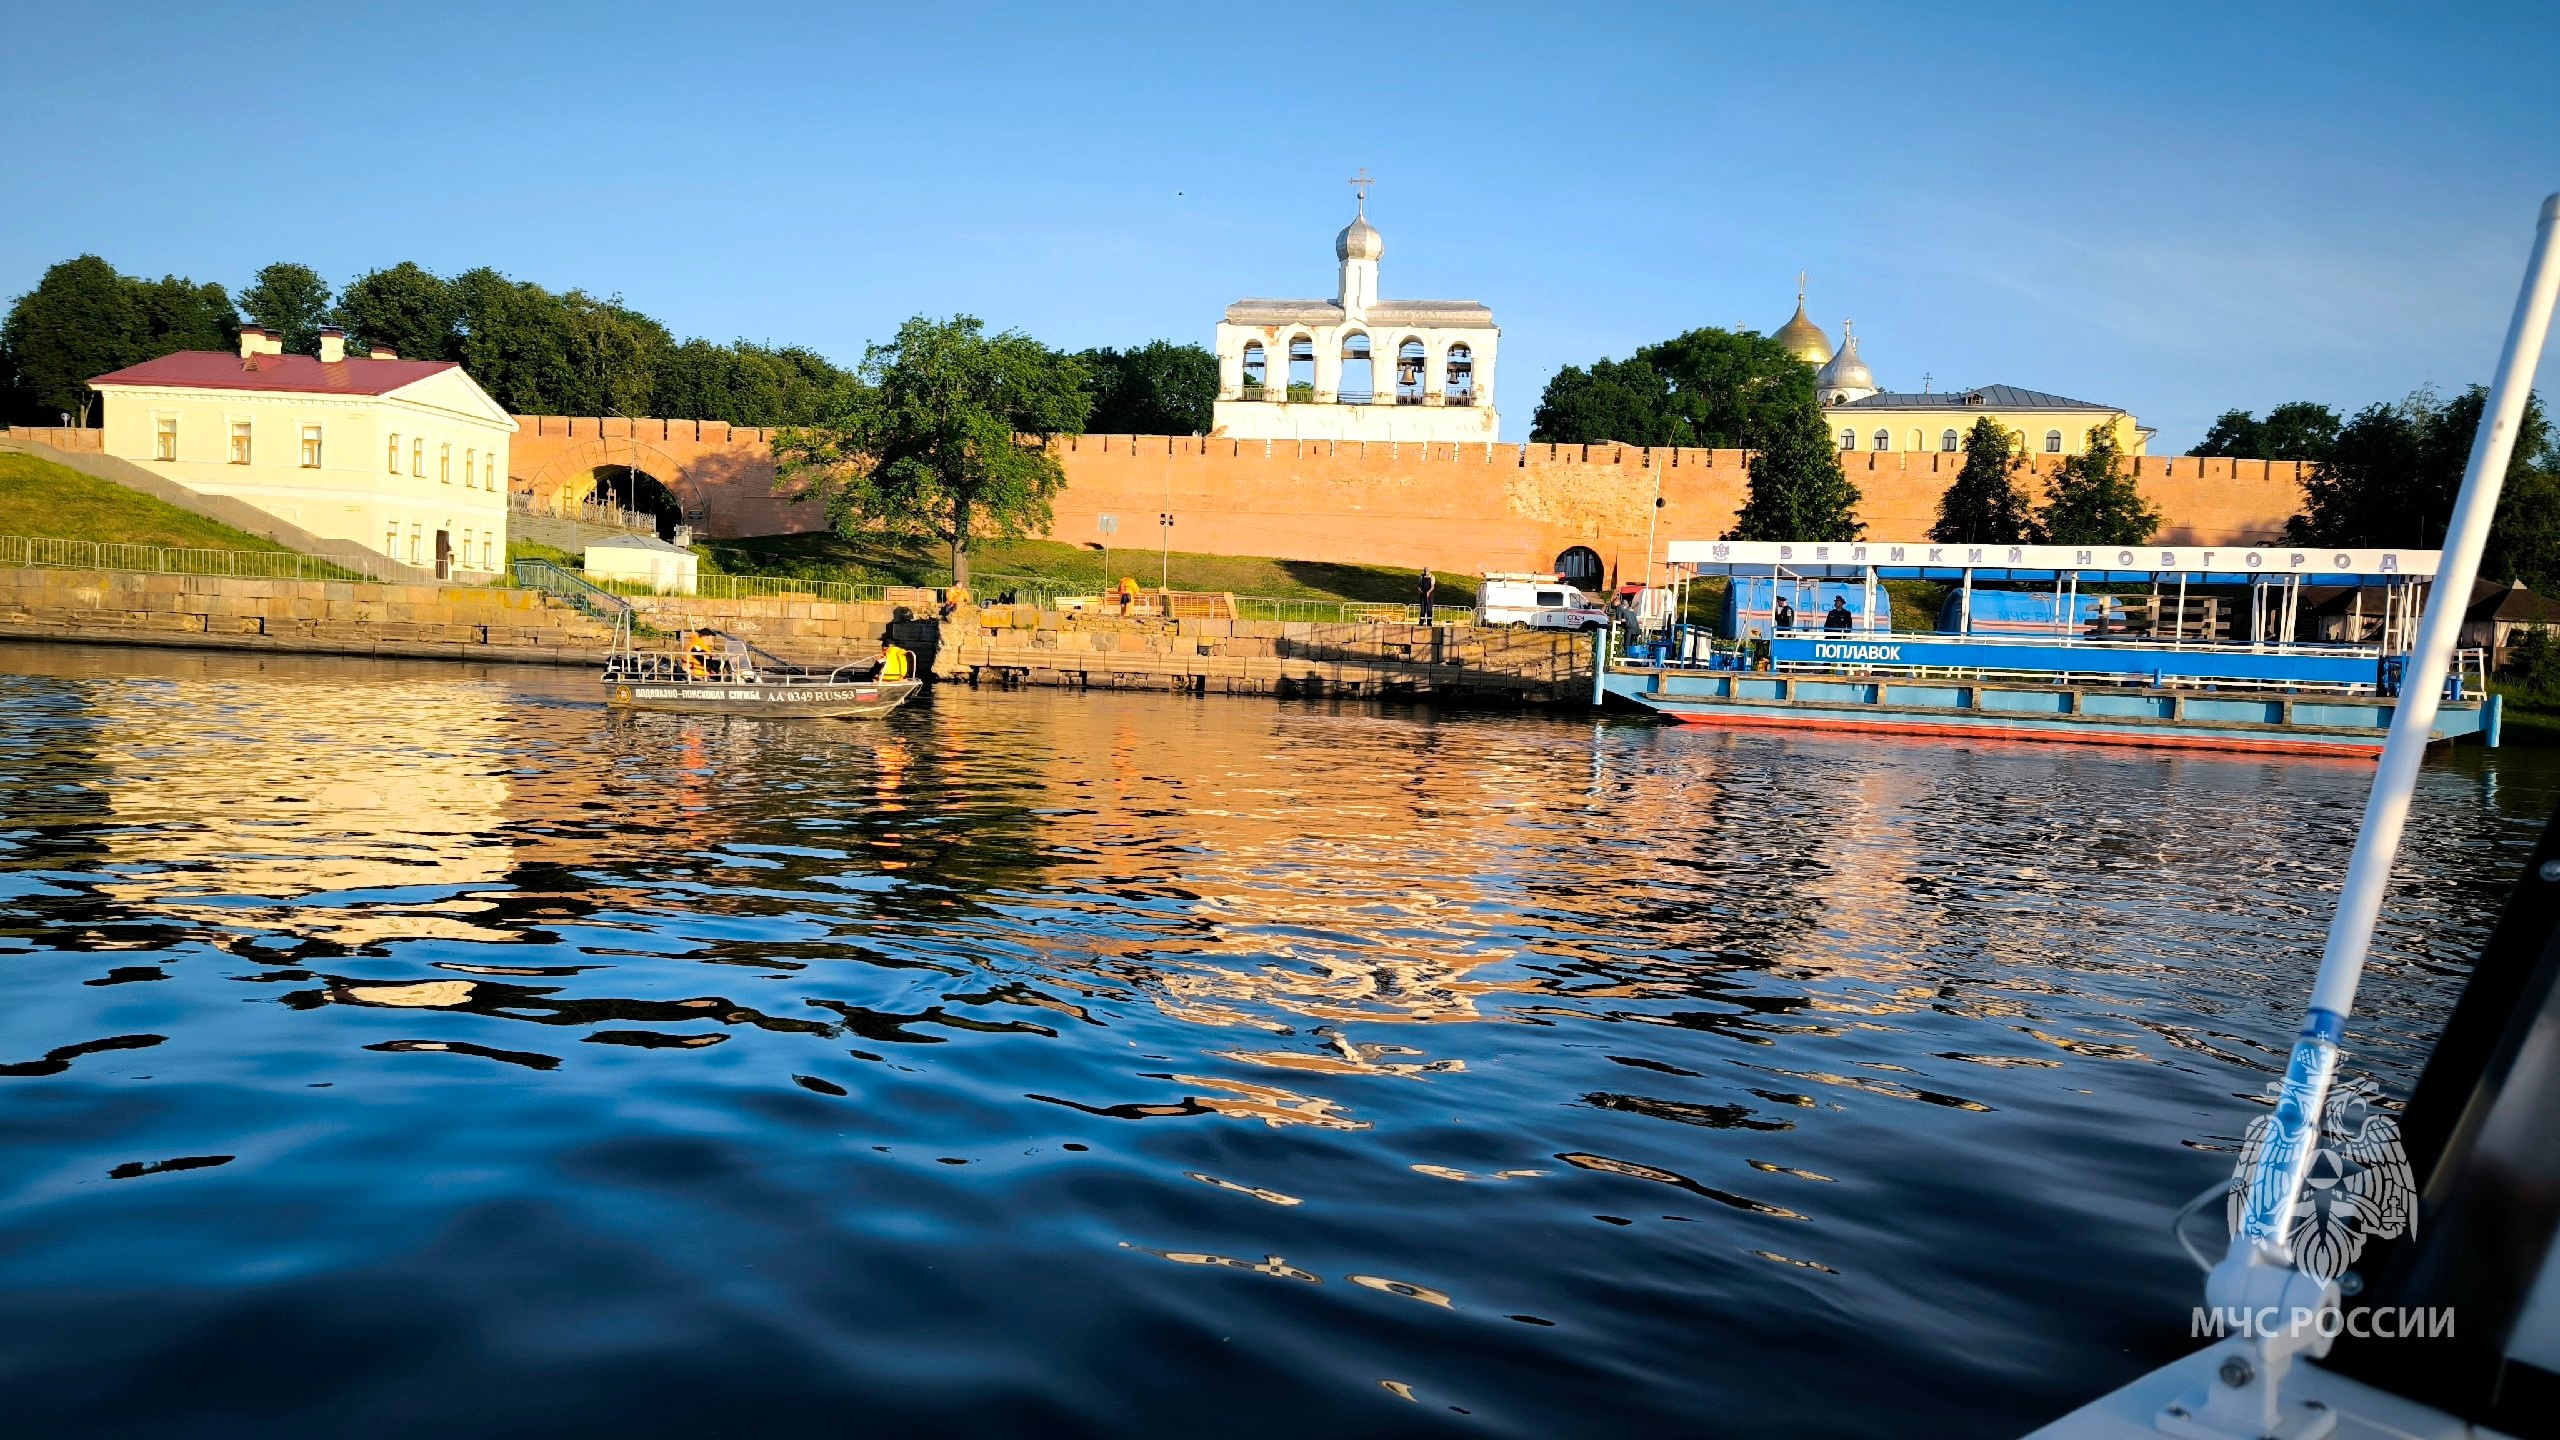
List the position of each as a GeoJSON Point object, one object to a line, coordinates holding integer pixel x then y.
{"type": "Point", "coordinates": [1461, 507]}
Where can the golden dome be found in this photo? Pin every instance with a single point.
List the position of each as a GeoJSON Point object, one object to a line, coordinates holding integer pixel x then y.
{"type": "Point", "coordinates": [1803, 338]}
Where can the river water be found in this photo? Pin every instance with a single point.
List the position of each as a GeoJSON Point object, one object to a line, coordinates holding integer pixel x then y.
{"type": "Point", "coordinates": [400, 1049]}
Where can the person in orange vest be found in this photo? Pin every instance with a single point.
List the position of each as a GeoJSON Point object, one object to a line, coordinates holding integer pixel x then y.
{"type": "Point", "coordinates": [896, 663]}
{"type": "Point", "coordinates": [699, 654]}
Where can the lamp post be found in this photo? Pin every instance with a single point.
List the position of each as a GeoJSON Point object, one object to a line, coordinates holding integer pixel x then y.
{"type": "Point", "coordinates": [1164, 561]}
{"type": "Point", "coordinates": [1109, 525]}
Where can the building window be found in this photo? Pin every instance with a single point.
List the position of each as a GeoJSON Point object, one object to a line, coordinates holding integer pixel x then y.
{"type": "Point", "coordinates": [488, 553]}
{"type": "Point", "coordinates": [165, 437]}
{"type": "Point", "coordinates": [239, 442]}
{"type": "Point", "coordinates": [489, 471]}
{"type": "Point", "coordinates": [1947, 440]}
{"type": "Point", "coordinates": [470, 469]}
{"type": "Point", "coordinates": [1256, 370]}
{"type": "Point", "coordinates": [1848, 439]}
{"type": "Point", "coordinates": [416, 535]}
{"type": "Point", "coordinates": [418, 458]}
{"type": "Point", "coordinates": [391, 540]}
{"type": "Point", "coordinates": [310, 447]}
{"type": "Point", "coordinates": [444, 463]}
{"type": "Point", "coordinates": [395, 452]}
{"type": "Point", "coordinates": [1919, 441]}
{"type": "Point", "coordinates": [2053, 442]}
{"type": "Point", "coordinates": [1884, 439]}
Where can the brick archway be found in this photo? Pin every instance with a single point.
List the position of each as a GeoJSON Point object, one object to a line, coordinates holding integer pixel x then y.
{"type": "Point", "coordinates": [573, 464]}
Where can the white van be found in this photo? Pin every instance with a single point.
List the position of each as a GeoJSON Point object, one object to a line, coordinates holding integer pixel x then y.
{"type": "Point", "coordinates": [1540, 601]}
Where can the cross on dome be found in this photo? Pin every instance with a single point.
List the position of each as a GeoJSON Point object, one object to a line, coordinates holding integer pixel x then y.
{"type": "Point", "coordinates": [1360, 183]}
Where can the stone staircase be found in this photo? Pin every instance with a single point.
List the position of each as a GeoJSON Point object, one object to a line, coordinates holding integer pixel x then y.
{"type": "Point", "coordinates": [238, 514]}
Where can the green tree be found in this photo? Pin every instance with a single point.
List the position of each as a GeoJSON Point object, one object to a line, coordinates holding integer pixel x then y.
{"type": "Point", "coordinates": [183, 315]}
{"type": "Point", "coordinates": [2393, 475]}
{"type": "Point", "coordinates": [292, 302]}
{"type": "Point", "coordinates": [1158, 388]}
{"type": "Point", "coordinates": [613, 354]}
{"type": "Point", "coordinates": [949, 440]}
{"type": "Point", "coordinates": [1621, 400]}
{"type": "Point", "coordinates": [1984, 506]}
{"type": "Point", "coordinates": [2358, 496]}
{"type": "Point", "coordinates": [2093, 501]}
{"type": "Point", "coordinates": [514, 339]}
{"type": "Point", "coordinates": [1797, 490]}
{"type": "Point", "coordinates": [2233, 436]}
{"type": "Point", "coordinates": [1708, 388]}
{"type": "Point", "coordinates": [749, 384]}
{"type": "Point", "coordinates": [83, 320]}
{"type": "Point", "coordinates": [2297, 430]}
{"type": "Point", "coordinates": [405, 308]}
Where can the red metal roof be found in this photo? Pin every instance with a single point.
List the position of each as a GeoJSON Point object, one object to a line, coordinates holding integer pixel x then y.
{"type": "Point", "coordinates": [214, 370]}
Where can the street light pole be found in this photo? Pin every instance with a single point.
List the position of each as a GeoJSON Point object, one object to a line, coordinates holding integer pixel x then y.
{"type": "Point", "coordinates": [1164, 562]}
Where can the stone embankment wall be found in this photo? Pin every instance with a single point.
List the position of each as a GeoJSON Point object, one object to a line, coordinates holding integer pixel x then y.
{"type": "Point", "coordinates": [1000, 645]}
{"type": "Point", "coordinates": [321, 617]}
{"type": "Point", "coordinates": [1019, 645]}
{"type": "Point", "coordinates": [1461, 508]}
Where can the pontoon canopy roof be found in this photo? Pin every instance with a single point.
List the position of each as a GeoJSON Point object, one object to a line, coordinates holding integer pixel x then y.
{"type": "Point", "coordinates": [1920, 560]}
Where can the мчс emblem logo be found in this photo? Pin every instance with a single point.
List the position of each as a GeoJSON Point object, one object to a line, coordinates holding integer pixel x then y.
{"type": "Point", "coordinates": [2357, 1187]}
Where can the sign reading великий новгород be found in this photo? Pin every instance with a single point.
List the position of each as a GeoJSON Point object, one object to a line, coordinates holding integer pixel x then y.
{"type": "Point", "coordinates": [2234, 560]}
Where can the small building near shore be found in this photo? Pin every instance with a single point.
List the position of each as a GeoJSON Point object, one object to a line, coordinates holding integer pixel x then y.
{"type": "Point", "coordinates": [644, 560]}
{"type": "Point", "coordinates": [405, 456]}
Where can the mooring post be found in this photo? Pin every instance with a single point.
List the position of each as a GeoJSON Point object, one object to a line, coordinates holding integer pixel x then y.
{"type": "Point", "coordinates": [1599, 661]}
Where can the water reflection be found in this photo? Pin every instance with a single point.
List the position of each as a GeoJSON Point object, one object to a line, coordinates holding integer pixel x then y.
{"type": "Point", "coordinates": [646, 1068]}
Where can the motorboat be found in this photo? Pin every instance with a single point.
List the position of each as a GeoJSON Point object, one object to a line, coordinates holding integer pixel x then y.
{"type": "Point", "coordinates": [699, 670]}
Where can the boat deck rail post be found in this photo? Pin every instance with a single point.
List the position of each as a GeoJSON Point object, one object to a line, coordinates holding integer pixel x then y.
{"type": "Point", "coordinates": [2245, 1397]}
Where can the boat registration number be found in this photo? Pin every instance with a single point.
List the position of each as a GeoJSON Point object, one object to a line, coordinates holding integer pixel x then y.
{"type": "Point", "coordinates": [797, 696]}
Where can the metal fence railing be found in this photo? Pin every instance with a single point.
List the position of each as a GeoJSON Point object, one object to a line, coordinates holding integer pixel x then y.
{"type": "Point", "coordinates": [569, 585]}
{"type": "Point", "coordinates": [590, 512]}
{"type": "Point", "coordinates": [1346, 612]}
{"type": "Point", "coordinates": [44, 553]}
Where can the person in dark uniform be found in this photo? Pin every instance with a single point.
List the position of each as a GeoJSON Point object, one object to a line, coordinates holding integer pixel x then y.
{"type": "Point", "coordinates": [1839, 618]}
{"type": "Point", "coordinates": [1425, 588]}
{"type": "Point", "coordinates": [1784, 619]}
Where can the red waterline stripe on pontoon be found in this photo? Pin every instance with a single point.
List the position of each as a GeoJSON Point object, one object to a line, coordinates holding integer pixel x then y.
{"type": "Point", "coordinates": [2070, 737]}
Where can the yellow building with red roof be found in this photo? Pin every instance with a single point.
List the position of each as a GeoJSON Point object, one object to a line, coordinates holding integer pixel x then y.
{"type": "Point", "coordinates": [405, 456]}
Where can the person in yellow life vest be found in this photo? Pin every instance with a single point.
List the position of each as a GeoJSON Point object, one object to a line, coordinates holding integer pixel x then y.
{"type": "Point", "coordinates": [698, 652]}
{"type": "Point", "coordinates": [896, 663]}
{"type": "Point", "coordinates": [1128, 593]}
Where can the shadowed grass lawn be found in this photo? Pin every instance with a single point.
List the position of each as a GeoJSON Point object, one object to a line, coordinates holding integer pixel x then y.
{"type": "Point", "coordinates": [2529, 718]}
{"type": "Point", "coordinates": [38, 497]}
{"type": "Point", "coordinates": [1073, 568]}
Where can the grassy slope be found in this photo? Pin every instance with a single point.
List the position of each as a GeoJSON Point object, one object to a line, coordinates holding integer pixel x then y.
{"type": "Point", "coordinates": [832, 557]}
{"type": "Point", "coordinates": [38, 497]}
{"type": "Point", "coordinates": [528, 550]}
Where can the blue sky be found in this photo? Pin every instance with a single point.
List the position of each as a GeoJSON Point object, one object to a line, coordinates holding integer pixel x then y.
{"type": "Point", "coordinates": [2175, 208]}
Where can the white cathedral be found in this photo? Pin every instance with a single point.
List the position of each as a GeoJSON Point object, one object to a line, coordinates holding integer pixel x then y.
{"type": "Point", "coordinates": [1357, 367]}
